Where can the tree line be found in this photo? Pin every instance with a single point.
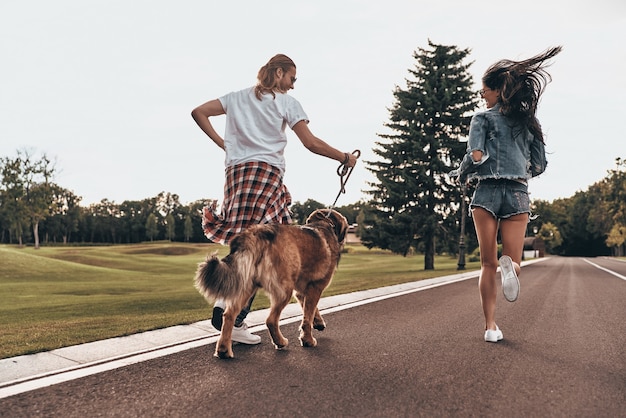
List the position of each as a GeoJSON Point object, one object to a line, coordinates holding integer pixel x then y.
{"type": "Point", "coordinates": [34, 209]}
{"type": "Point", "coordinates": [413, 207]}
{"type": "Point", "coordinates": [590, 223]}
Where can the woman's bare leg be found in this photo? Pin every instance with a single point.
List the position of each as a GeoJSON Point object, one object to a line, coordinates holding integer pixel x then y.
{"type": "Point", "coordinates": [487, 232]}
{"type": "Point", "coordinates": [512, 233]}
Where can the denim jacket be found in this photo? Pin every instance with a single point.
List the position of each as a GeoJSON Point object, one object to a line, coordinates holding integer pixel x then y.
{"type": "Point", "coordinates": [509, 151]}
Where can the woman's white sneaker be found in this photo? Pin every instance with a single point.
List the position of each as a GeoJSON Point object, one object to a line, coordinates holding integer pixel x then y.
{"type": "Point", "coordinates": [510, 282]}
{"type": "Point", "coordinates": [493, 336]}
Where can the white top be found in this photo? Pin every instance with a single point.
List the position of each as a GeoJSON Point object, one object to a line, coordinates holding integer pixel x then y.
{"type": "Point", "coordinates": [255, 129]}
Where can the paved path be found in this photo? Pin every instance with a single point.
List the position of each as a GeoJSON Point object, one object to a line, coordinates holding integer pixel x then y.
{"type": "Point", "coordinates": [24, 373]}
{"type": "Point", "coordinates": [399, 352]}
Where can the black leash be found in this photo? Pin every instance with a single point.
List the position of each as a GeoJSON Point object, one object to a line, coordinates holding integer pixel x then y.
{"type": "Point", "coordinates": [343, 171]}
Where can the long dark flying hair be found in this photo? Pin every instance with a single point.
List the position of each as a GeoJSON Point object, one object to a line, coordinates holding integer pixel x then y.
{"type": "Point", "coordinates": [266, 78]}
{"type": "Point", "coordinates": [521, 84]}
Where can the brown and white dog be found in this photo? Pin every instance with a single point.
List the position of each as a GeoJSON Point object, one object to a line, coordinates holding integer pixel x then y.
{"type": "Point", "coordinates": [282, 260]}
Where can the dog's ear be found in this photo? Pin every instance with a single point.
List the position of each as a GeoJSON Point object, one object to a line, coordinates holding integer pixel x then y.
{"type": "Point", "coordinates": [317, 215]}
{"type": "Point", "coordinates": [331, 216]}
{"type": "Point", "coordinates": [341, 225]}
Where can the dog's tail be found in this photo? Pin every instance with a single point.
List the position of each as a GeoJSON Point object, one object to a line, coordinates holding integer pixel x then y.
{"type": "Point", "coordinates": [221, 279]}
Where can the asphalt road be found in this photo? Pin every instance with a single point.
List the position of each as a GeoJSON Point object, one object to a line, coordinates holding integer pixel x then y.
{"type": "Point", "coordinates": [420, 354]}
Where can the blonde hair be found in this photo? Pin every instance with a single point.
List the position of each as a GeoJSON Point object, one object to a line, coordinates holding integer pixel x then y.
{"type": "Point", "coordinates": [266, 78]}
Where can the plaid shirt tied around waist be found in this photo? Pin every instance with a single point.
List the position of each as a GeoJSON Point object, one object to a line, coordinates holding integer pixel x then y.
{"type": "Point", "coordinates": [254, 193]}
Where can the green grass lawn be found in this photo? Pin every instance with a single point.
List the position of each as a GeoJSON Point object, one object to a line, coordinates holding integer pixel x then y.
{"type": "Point", "coordinates": [59, 296]}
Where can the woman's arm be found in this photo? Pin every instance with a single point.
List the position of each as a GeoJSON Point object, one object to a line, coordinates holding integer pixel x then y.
{"type": "Point", "coordinates": [475, 155]}
{"type": "Point", "coordinates": [317, 146]}
{"type": "Point", "coordinates": [538, 162]}
{"type": "Point", "coordinates": [201, 115]}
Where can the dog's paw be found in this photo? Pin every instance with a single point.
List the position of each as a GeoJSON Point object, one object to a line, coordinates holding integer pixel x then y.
{"type": "Point", "coordinates": [224, 355]}
{"type": "Point", "coordinates": [318, 323]}
{"type": "Point", "coordinates": [312, 342]}
{"type": "Point", "coordinates": [319, 326]}
{"type": "Point", "coordinates": [283, 345]}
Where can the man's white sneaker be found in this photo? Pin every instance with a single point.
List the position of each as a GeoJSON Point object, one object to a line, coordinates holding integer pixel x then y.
{"type": "Point", "coordinates": [243, 336]}
{"type": "Point", "coordinates": [510, 282]}
{"type": "Point", "coordinates": [493, 336]}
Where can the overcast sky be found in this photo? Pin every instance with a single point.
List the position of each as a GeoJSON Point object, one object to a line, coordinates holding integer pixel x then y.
{"type": "Point", "coordinates": [107, 87]}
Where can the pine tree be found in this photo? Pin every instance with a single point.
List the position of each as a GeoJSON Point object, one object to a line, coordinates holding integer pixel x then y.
{"type": "Point", "coordinates": [413, 197]}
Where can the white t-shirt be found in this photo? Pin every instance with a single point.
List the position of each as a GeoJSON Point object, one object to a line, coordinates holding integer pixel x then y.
{"type": "Point", "coordinates": [255, 129]}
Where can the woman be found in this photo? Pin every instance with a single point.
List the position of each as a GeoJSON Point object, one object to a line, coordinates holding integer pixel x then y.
{"type": "Point", "coordinates": [505, 149]}
{"type": "Point", "coordinates": [254, 142]}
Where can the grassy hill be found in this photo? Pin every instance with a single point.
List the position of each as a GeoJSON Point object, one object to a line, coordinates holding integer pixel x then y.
{"type": "Point", "coordinates": [60, 296]}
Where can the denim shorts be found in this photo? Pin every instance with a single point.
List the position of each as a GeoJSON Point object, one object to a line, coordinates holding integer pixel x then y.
{"type": "Point", "coordinates": [502, 197]}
